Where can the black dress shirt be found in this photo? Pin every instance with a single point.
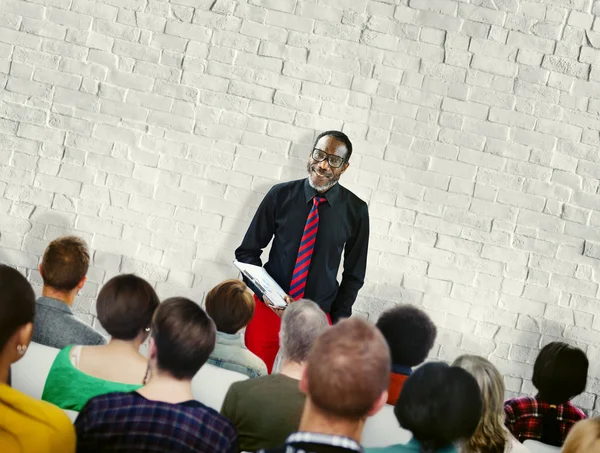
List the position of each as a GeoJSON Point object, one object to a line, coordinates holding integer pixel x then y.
{"type": "Point", "coordinates": [343, 226]}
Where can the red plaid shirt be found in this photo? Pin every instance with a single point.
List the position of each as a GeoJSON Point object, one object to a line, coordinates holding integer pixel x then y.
{"type": "Point", "coordinates": [524, 417]}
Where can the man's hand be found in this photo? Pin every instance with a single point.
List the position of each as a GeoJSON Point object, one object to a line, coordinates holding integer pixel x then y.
{"type": "Point", "coordinates": [277, 310]}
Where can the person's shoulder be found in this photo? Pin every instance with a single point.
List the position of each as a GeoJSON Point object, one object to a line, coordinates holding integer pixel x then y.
{"type": "Point", "coordinates": [207, 416]}
{"type": "Point", "coordinates": [113, 400]}
{"type": "Point", "coordinates": [287, 186]}
{"type": "Point", "coordinates": [352, 198]}
{"type": "Point", "coordinates": [575, 411]}
{"type": "Point", "coordinates": [83, 333]}
{"type": "Point", "coordinates": [398, 448]}
{"type": "Point", "coordinates": [520, 405]}
{"type": "Point", "coordinates": [241, 387]}
{"type": "Point", "coordinates": [514, 446]}
{"type": "Point", "coordinates": [56, 421]}
{"type": "Point", "coordinates": [280, 449]}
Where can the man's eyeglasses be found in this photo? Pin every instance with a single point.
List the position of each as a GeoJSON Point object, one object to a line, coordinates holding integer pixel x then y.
{"type": "Point", "coordinates": [333, 160]}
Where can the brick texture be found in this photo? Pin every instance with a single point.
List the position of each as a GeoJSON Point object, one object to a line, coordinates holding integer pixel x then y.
{"type": "Point", "coordinates": [152, 129]}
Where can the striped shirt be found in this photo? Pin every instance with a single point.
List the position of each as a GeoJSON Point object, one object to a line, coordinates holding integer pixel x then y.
{"type": "Point", "coordinates": [306, 442]}
{"type": "Point", "coordinates": [128, 422]}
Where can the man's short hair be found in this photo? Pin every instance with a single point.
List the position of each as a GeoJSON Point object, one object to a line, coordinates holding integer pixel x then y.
{"type": "Point", "coordinates": [439, 404]}
{"type": "Point", "coordinates": [302, 322]}
{"type": "Point", "coordinates": [560, 372]}
{"type": "Point", "coordinates": [230, 305]}
{"type": "Point", "coordinates": [339, 136]}
{"type": "Point", "coordinates": [65, 262]}
{"type": "Point", "coordinates": [409, 332]}
{"type": "Point", "coordinates": [17, 303]}
{"type": "Point", "coordinates": [125, 306]}
{"type": "Point", "coordinates": [348, 369]}
{"type": "Point", "coordinates": [184, 336]}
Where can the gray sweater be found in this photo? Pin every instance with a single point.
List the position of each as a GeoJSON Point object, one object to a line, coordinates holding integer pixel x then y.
{"type": "Point", "coordinates": [55, 325]}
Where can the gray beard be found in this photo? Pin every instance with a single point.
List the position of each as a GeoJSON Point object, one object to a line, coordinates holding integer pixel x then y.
{"type": "Point", "coordinates": [324, 187]}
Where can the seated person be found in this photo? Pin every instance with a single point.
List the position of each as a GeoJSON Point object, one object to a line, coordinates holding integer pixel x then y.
{"type": "Point", "coordinates": [162, 416]}
{"type": "Point", "coordinates": [27, 425]}
{"type": "Point", "coordinates": [559, 374]}
{"type": "Point", "coordinates": [345, 381]}
{"type": "Point", "coordinates": [125, 307]}
{"type": "Point", "coordinates": [64, 266]}
{"type": "Point", "coordinates": [266, 410]}
{"type": "Point", "coordinates": [439, 405]}
{"type": "Point", "coordinates": [410, 334]}
{"type": "Point", "coordinates": [231, 306]}
{"type": "Point", "coordinates": [584, 437]}
{"type": "Point", "coordinates": [491, 436]}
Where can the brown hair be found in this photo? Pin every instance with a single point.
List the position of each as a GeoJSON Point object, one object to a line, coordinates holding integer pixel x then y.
{"type": "Point", "coordinates": [348, 368]}
{"type": "Point", "coordinates": [184, 336]}
{"type": "Point", "coordinates": [125, 306]}
{"type": "Point", "coordinates": [230, 305]}
{"type": "Point", "coordinates": [65, 262]}
{"type": "Point", "coordinates": [584, 437]}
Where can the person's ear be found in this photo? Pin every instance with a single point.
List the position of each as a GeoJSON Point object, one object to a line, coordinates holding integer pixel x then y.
{"type": "Point", "coordinates": [152, 349]}
{"type": "Point", "coordinates": [303, 385]}
{"type": "Point", "coordinates": [40, 269]}
{"type": "Point", "coordinates": [377, 405]}
{"type": "Point", "coordinates": [345, 167]}
{"type": "Point", "coordinates": [81, 283]}
{"type": "Point", "coordinates": [20, 341]}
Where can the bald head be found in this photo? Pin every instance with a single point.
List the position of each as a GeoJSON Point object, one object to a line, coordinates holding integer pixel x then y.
{"type": "Point", "coordinates": [348, 369]}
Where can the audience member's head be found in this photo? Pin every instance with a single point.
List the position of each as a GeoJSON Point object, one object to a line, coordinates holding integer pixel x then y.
{"type": "Point", "coordinates": [65, 264]}
{"type": "Point", "coordinates": [560, 372]}
{"type": "Point", "coordinates": [230, 305]}
{"type": "Point", "coordinates": [125, 307]}
{"type": "Point", "coordinates": [409, 332]}
{"type": "Point", "coordinates": [302, 322]}
{"type": "Point", "coordinates": [17, 310]}
{"type": "Point", "coordinates": [490, 435]}
{"type": "Point", "coordinates": [584, 437]}
{"type": "Point", "coordinates": [347, 371]}
{"type": "Point", "coordinates": [183, 336]}
{"type": "Point", "coordinates": [440, 405]}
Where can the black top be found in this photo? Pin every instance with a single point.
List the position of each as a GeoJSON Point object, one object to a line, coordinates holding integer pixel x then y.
{"type": "Point", "coordinates": [343, 221]}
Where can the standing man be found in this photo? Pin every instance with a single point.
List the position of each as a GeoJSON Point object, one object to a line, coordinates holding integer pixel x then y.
{"type": "Point", "coordinates": [311, 221]}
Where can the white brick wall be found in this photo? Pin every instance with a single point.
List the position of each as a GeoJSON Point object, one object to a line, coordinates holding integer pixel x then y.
{"type": "Point", "coordinates": [152, 129]}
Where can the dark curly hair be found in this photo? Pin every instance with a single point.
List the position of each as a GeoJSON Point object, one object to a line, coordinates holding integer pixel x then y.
{"type": "Point", "coordinates": [409, 332]}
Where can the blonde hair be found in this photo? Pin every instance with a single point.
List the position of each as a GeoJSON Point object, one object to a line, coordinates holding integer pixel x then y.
{"type": "Point", "coordinates": [584, 437]}
{"type": "Point", "coordinates": [490, 435]}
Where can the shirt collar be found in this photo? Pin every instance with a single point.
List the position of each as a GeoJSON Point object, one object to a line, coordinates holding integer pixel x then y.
{"type": "Point", "coordinates": [54, 303]}
{"type": "Point", "coordinates": [324, 439]}
{"type": "Point", "coordinates": [402, 369]}
{"type": "Point", "coordinates": [228, 337]}
{"type": "Point", "coordinates": [332, 195]}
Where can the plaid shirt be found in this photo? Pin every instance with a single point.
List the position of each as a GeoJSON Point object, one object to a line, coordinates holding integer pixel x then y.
{"type": "Point", "coordinates": [128, 422]}
{"type": "Point", "coordinates": [305, 442]}
{"type": "Point", "coordinates": [524, 417]}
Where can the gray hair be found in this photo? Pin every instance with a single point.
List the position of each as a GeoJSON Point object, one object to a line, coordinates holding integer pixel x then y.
{"type": "Point", "coordinates": [302, 322]}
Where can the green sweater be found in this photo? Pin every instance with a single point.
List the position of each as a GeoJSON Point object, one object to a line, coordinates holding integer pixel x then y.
{"type": "Point", "coordinates": [265, 410]}
{"type": "Point", "coordinates": [69, 388]}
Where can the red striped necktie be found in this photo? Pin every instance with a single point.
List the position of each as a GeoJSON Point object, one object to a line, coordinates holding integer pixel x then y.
{"type": "Point", "coordinates": [307, 245]}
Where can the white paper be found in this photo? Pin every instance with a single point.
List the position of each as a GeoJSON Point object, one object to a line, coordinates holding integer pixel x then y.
{"type": "Point", "coordinates": [265, 283]}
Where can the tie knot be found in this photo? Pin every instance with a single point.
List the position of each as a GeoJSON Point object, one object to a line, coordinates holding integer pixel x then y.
{"type": "Point", "coordinates": [318, 200]}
